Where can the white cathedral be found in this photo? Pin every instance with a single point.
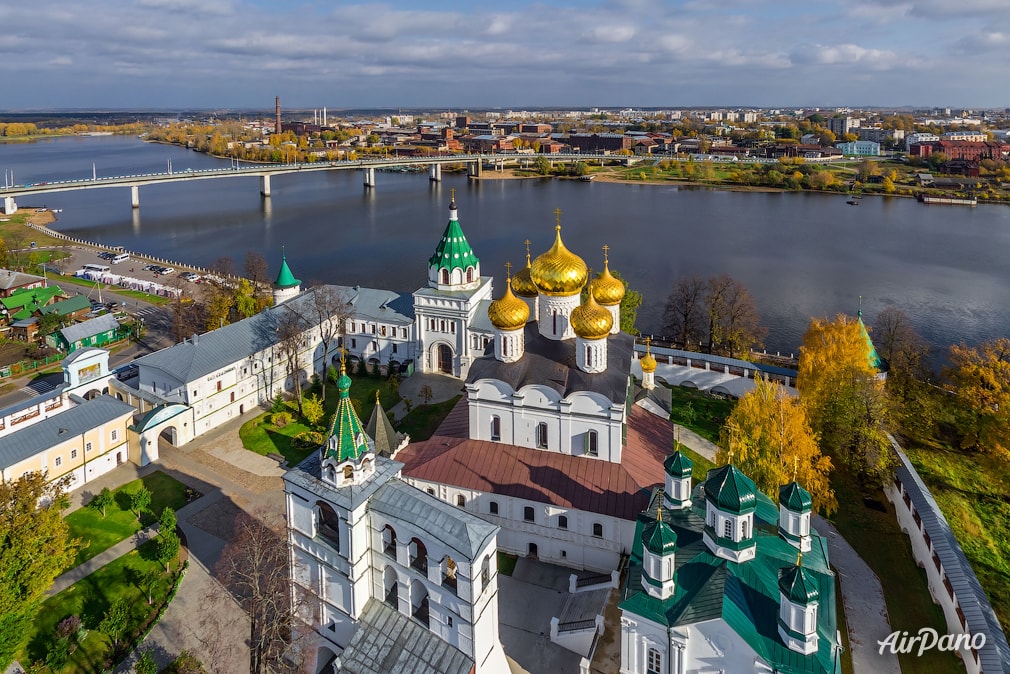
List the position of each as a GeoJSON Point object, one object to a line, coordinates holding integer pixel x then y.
{"type": "Point", "coordinates": [547, 456]}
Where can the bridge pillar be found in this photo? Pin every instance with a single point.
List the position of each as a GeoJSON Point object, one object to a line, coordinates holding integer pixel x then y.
{"type": "Point", "coordinates": [135, 195]}
{"type": "Point", "coordinates": [9, 206]}
{"type": "Point", "coordinates": [475, 169]}
{"type": "Point", "coordinates": [265, 184]}
{"type": "Point", "coordinates": [369, 177]}
{"type": "Point", "coordinates": [435, 173]}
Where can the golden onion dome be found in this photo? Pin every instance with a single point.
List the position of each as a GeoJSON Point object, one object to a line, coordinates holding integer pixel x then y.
{"type": "Point", "coordinates": [508, 312]}
{"type": "Point", "coordinates": [607, 289]}
{"type": "Point", "coordinates": [648, 361]}
{"type": "Point", "coordinates": [522, 283]}
{"type": "Point", "coordinates": [590, 320]}
{"type": "Point", "coordinates": [559, 271]}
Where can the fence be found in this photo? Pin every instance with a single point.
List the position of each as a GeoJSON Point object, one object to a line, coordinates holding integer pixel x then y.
{"type": "Point", "coordinates": [26, 366]}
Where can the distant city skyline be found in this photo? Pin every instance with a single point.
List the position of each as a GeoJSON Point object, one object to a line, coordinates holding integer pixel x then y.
{"type": "Point", "coordinates": [159, 54]}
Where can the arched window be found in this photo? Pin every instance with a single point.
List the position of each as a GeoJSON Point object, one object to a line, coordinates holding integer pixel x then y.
{"type": "Point", "coordinates": [743, 529]}
{"type": "Point", "coordinates": [542, 435]}
{"type": "Point", "coordinates": [496, 428]}
{"type": "Point", "coordinates": [469, 274]}
{"type": "Point", "coordinates": [389, 541]}
{"type": "Point", "coordinates": [592, 443]}
{"type": "Point", "coordinates": [449, 574]}
{"type": "Point", "coordinates": [485, 572]}
{"type": "Point", "coordinates": [727, 528]}
{"type": "Point", "coordinates": [654, 662]}
{"type": "Point", "coordinates": [555, 326]}
{"type": "Point", "coordinates": [461, 500]}
{"type": "Point", "coordinates": [348, 472]}
{"type": "Point", "coordinates": [597, 530]}
{"type": "Point", "coordinates": [328, 526]}
{"type": "Point", "coordinates": [445, 277]}
{"type": "Point", "coordinates": [562, 522]}
{"type": "Point", "coordinates": [528, 514]}
{"type": "Point", "coordinates": [331, 474]}
{"type": "Point", "coordinates": [493, 507]}
{"type": "Point", "coordinates": [418, 555]}
{"type": "Point", "coordinates": [589, 355]}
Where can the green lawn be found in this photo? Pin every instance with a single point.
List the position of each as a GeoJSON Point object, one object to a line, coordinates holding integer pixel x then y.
{"type": "Point", "coordinates": [867, 521]}
{"type": "Point", "coordinates": [971, 489]}
{"type": "Point", "coordinates": [99, 534]}
{"type": "Point", "coordinates": [703, 413]}
{"type": "Point", "coordinates": [421, 422]}
{"type": "Point", "coordinates": [506, 563]}
{"type": "Point", "coordinates": [699, 464]}
{"type": "Point", "coordinates": [89, 598]}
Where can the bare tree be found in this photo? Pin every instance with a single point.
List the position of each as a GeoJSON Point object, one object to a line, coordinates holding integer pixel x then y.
{"type": "Point", "coordinates": [683, 317]}
{"type": "Point", "coordinates": [17, 253]}
{"type": "Point", "coordinates": [291, 336]}
{"type": "Point", "coordinates": [224, 265]}
{"type": "Point", "coordinates": [188, 317]}
{"type": "Point", "coordinates": [734, 324]}
{"type": "Point", "coordinates": [254, 568]}
{"type": "Point", "coordinates": [331, 309]}
{"type": "Point", "coordinates": [898, 343]}
{"type": "Point", "coordinates": [256, 269]}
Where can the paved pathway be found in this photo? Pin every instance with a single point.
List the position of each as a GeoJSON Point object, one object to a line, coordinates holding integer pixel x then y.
{"type": "Point", "coordinates": [863, 600]}
{"type": "Point", "coordinates": [443, 387]}
{"type": "Point", "coordinates": [695, 442]}
{"type": "Point", "coordinates": [98, 561]}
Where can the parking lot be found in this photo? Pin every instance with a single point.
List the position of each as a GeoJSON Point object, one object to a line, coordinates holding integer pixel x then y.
{"type": "Point", "coordinates": [123, 265]}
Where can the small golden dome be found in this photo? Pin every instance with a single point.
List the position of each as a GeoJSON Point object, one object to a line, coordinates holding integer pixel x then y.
{"type": "Point", "coordinates": [522, 283]}
{"type": "Point", "coordinates": [559, 271]}
{"type": "Point", "coordinates": [508, 312]}
{"type": "Point", "coordinates": [648, 362]}
{"type": "Point", "coordinates": [590, 320]}
{"type": "Point", "coordinates": [607, 289]}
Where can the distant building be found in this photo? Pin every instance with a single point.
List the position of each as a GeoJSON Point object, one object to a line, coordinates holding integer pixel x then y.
{"type": "Point", "coordinates": [13, 281]}
{"type": "Point", "coordinates": [95, 332]}
{"type": "Point", "coordinates": [591, 143]}
{"type": "Point", "coordinates": [860, 148]}
{"type": "Point", "coordinates": [841, 125]}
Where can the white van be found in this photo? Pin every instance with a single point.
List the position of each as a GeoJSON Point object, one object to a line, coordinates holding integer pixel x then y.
{"type": "Point", "coordinates": [122, 257]}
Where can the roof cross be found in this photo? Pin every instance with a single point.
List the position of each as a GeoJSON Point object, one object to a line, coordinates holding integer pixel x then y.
{"type": "Point", "coordinates": [527, 242]}
{"type": "Point", "coordinates": [557, 219]}
{"type": "Point", "coordinates": [508, 270]}
{"type": "Point", "coordinates": [452, 194]}
{"type": "Point", "coordinates": [605, 257]}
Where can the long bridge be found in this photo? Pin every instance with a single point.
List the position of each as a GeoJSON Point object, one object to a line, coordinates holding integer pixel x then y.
{"type": "Point", "coordinates": [474, 162]}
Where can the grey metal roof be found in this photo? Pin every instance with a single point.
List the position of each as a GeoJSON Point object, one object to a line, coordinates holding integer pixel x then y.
{"type": "Point", "coordinates": [974, 603]}
{"type": "Point", "coordinates": [552, 363]}
{"type": "Point", "coordinates": [719, 360]}
{"type": "Point", "coordinates": [308, 476]}
{"type": "Point", "coordinates": [90, 414]}
{"type": "Point", "coordinates": [380, 305]}
{"type": "Point", "coordinates": [16, 279]}
{"type": "Point", "coordinates": [33, 401]}
{"type": "Point", "coordinates": [462, 531]}
{"type": "Point", "coordinates": [78, 331]}
{"type": "Point", "coordinates": [219, 348]}
{"type": "Point", "coordinates": [388, 642]}
{"type": "Point", "coordinates": [81, 353]}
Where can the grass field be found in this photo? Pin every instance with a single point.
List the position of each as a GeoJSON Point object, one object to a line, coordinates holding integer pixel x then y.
{"type": "Point", "coordinates": [702, 413]}
{"type": "Point", "coordinates": [971, 489]}
{"type": "Point", "coordinates": [101, 533]}
{"type": "Point", "coordinates": [89, 598]}
{"type": "Point", "coordinates": [423, 420]}
{"type": "Point", "coordinates": [866, 520]}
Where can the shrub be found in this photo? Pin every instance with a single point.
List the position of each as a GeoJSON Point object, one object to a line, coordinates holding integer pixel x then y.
{"type": "Point", "coordinates": [307, 439]}
{"type": "Point", "coordinates": [280, 419]}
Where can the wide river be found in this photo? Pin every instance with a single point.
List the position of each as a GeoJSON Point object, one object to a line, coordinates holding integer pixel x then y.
{"type": "Point", "coordinates": [800, 254]}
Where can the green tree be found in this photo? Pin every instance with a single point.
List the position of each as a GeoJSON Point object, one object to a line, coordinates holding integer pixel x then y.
{"type": "Point", "coordinates": [186, 663]}
{"type": "Point", "coordinates": [981, 378]}
{"type": "Point", "coordinates": [312, 409]}
{"type": "Point", "coordinates": [145, 663]}
{"type": "Point", "coordinates": [771, 440]}
{"type": "Point", "coordinates": [168, 538]}
{"type": "Point", "coordinates": [542, 165]}
{"type": "Point", "coordinates": [245, 299]}
{"type": "Point", "coordinates": [629, 306]}
{"type": "Point", "coordinates": [426, 394]}
{"type": "Point", "coordinates": [103, 500]}
{"type": "Point", "coordinates": [140, 501]}
{"type": "Point", "coordinates": [34, 548]}
{"type": "Point", "coordinates": [116, 620]}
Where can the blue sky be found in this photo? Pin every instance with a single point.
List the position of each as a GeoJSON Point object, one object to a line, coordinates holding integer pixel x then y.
{"type": "Point", "coordinates": [440, 53]}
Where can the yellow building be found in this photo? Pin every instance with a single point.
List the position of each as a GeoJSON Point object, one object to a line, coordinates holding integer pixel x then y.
{"type": "Point", "coordinates": [85, 441]}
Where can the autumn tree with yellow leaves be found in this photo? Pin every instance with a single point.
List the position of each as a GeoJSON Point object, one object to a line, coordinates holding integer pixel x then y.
{"type": "Point", "coordinates": [772, 442]}
{"type": "Point", "coordinates": [844, 399]}
{"type": "Point", "coordinates": [981, 379]}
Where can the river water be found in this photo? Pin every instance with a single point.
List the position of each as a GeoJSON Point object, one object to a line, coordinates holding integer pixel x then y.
{"type": "Point", "coordinates": [800, 254]}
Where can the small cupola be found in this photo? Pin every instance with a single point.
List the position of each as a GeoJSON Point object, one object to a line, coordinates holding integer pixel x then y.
{"type": "Point", "coordinates": [659, 548]}
{"type": "Point", "coordinates": [799, 596]}
{"type": "Point", "coordinates": [286, 286]}
{"type": "Point", "coordinates": [730, 501]}
{"type": "Point", "coordinates": [648, 363]}
{"type": "Point", "coordinates": [678, 469]}
{"type": "Point", "coordinates": [348, 457]}
{"type": "Point", "coordinates": [795, 508]}
{"type": "Point", "coordinates": [524, 287]}
{"type": "Point", "coordinates": [608, 291]}
{"type": "Point", "coordinates": [591, 323]}
{"type": "Point", "coordinates": [453, 265]}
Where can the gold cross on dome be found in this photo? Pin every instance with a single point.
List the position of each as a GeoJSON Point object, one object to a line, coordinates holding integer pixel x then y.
{"type": "Point", "coordinates": [527, 242]}
{"type": "Point", "coordinates": [508, 270]}
{"type": "Point", "coordinates": [452, 194]}
{"type": "Point", "coordinates": [557, 218]}
{"type": "Point", "coordinates": [605, 249]}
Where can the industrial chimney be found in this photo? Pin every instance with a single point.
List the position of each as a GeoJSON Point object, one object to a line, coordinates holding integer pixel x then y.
{"type": "Point", "coordinates": [277, 114]}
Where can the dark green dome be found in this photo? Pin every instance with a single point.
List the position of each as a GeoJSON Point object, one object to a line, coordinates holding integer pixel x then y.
{"type": "Point", "coordinates": [798, 585]}
{"type": "Point", "coordinates": [731, 490]}
{"type": "Point", "coordinates": [658, 538]}
{"type": "Point", "coordinates": [678, 465]}
{"type": "Point", "coordinates": [795, 498]}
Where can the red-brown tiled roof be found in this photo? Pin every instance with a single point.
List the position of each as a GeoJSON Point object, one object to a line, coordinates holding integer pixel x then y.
{"type": "Point", "coordinates": [594, 485]}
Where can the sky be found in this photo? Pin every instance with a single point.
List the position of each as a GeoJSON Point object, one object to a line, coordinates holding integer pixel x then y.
{"type": "Point", "coordinates": [168, 54]}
